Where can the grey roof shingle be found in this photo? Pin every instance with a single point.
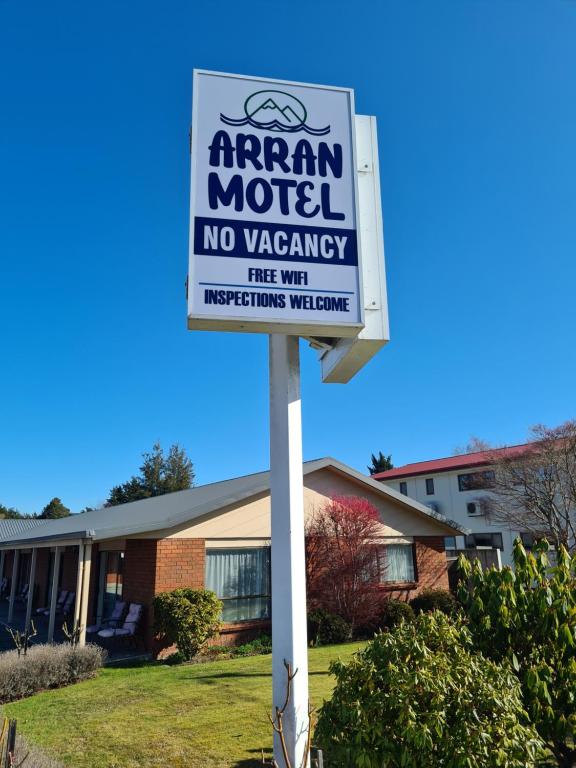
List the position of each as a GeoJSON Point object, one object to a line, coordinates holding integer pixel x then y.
{"type": "Point", "coordinates": [177, 508]}
{"type": "Point", "coordinates": [9, 528]}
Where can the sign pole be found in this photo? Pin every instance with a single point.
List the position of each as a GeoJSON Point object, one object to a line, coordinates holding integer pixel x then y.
{"type": "Point", "coordinates": [289, 629]}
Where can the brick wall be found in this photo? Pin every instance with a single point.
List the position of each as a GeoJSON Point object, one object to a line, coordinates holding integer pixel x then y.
{"type": "Point", "coordinates": [431, 563]}
{"type": "Point", "coordinates": [180, 563]}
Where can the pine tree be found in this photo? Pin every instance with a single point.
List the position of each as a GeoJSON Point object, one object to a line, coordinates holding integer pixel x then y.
{"type": "Point", "coordinates": [159, 474]}
{"type": "Point", "coordinates": [380, 463]}
{"type": "Point", "coordinates": [54, 509]}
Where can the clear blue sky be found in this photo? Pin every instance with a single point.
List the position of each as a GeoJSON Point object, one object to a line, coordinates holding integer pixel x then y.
{"type": "Point", "coordinates": [477, 126]}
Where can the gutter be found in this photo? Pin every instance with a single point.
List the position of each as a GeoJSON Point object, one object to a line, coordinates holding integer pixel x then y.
{"type": "Point", "coordinates": [30, 542]}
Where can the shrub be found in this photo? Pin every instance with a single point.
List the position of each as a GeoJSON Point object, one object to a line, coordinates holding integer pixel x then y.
{"type": "Point", "coordinates": [435, 600]}
{"type": "Point", "coordinates": [187, 618]}
{"type": "Point", "coordinates": [259, 645]}
{"type": "Point", "coordinates": [418, 696]}
{"type": "Point", "coordinates": [46, 666]}
{"type": "Point", "coordinates": [325, 628]}
{"type": "Point", "coordinates": [391, 614]}
{"type": "Point", "coordinates": [528, 617]}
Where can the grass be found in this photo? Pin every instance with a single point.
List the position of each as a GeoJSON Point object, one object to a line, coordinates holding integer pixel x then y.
{"type": "Point", "coordinates": [153, 716]}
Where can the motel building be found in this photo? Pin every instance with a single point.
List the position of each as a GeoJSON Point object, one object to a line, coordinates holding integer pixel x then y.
{"type": "Point", "coordinates": [215, 536]}
{"type": "Point", "coordinates": [458, 487]}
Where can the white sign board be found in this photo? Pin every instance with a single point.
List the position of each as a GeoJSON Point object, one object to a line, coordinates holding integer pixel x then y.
{"type": "Point", "coordinates": [273, 224]}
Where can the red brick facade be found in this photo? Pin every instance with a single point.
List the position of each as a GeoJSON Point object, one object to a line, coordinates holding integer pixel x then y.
{"type": "Point", "coordinates": [152, 566]}
{"type": "Point", "coordinates": [180, 563]}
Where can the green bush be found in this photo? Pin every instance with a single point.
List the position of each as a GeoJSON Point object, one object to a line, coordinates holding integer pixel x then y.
{"type": "Point", "coordinates": [46, 666]}
{"type": "Point", "coordinates": [527, 616]}
{"type": "Point", "coordinates": [419, 696]}
{"type": "Point", "coordinates": [391, 614]}
{"type": "Point", "coordinates": [187, 618]}
{"type": "Point", "coordinates": [394, 612]}
{"type": "Point", "coordinates": [259, 645]}
{"type": "Point", "coordinates": [435, 600]}
{"type": "Point", "coordinates": [325, 628]}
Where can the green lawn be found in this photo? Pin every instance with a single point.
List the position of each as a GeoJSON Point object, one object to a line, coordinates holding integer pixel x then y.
{"type": "Point", "coordinates": [154, 716]}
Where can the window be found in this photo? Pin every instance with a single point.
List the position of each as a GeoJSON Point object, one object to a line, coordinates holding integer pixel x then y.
{"type": "Point", "coordinates": [449, 542]}
{"type": "Point", "coordinates": [110, 582]}
{"type": "Point", "coordinates": [484, 540]}
{"type": "Point", "coordinates": [474, 481]}
{"type": "Point", "coordinates": [529, 540]}
{"type": "Point", "coordinates": [241, 579]}
{"type": "Point", "coordinates": [404, 488]}
{"type": "Point", "coordinates": [429, 486]}
{"type": "Point", "coordinates": [397, 562]}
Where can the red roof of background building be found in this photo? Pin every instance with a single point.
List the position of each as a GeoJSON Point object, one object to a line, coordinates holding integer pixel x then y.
{"type": "Point", "coordinates": [450, 463]}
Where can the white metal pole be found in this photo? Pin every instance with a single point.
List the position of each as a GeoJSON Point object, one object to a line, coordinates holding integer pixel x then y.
{"type": "Point", "coordinates": [83, 614]}
{"type": "Point", "coordinates": [79, 582]}
{"type": "Point", "coordinates": [289, 631]}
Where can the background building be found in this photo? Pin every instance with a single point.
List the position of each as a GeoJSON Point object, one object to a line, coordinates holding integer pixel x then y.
{"type": "Point", "coordinates": [458, 487]}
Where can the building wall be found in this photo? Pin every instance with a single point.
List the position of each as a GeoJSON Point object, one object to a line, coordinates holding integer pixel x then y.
{"type": "Point", "coordinates": [451, 502]}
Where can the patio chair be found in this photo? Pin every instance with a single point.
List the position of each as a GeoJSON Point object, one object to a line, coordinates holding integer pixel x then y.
{"type": "Point", "coordinates": [45, 611]}
{"type": "Point", "coordinates": [126, 632]}
{"type": "Point", "coordinates": [67, 605]}
{"type": "Point", "coordinates": [23, 596]}
{"type": "Point", "coordinates": [112, 622]}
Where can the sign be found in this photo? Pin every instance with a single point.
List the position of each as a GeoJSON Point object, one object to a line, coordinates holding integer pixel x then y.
{"type": "Point", "coordinates": [273, 239]}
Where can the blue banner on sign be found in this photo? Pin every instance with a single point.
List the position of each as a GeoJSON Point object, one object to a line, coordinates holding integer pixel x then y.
{"type": "Point", "coordinates": [275, 242]}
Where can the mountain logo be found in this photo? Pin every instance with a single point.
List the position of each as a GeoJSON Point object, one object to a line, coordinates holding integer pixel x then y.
{"type": "Point", "coordinates": [275, 111]}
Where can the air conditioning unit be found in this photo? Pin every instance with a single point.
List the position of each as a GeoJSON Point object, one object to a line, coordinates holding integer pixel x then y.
{"type": "Point", "coordinates": [434, 506]}
{"type": "Point", "coordinates": [475, 508]}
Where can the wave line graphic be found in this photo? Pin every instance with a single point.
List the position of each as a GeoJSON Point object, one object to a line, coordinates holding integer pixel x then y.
{"type": "Point", "coordinates": [275, 125]}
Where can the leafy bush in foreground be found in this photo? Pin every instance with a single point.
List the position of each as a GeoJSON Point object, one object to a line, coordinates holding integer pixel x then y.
{"type": "Point", "coordinates": [435, 600]}
{"type": "Point", "coordinates": [187, 618]}
{"type": "Point", "coordinates": [419, 696]}
{"type": "Point", "coordinates": [528, 616]}
{"type": "Point", "coordinates": [325, 628]}
{"type": "Point", "coordinates": [46, 666]}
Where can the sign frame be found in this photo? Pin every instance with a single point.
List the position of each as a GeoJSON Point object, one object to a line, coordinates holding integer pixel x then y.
{"type": "Point", "coordinates": [330, 329]}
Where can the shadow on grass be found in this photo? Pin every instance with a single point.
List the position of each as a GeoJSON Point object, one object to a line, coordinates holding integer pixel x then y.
{"type": "Point", "coordinates": [254, 762]}
{"type": "Point", "coordinates": [265, 676]}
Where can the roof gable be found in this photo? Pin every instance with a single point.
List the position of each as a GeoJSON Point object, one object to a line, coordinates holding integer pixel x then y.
{"type": "Point", "coordinates": [174, 509]}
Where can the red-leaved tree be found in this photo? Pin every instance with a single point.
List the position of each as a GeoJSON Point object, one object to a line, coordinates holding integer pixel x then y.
{"type": "Point", "coordinates": [342, 566]}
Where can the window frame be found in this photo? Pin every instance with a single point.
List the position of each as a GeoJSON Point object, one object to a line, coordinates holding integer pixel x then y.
{"type": "Point", "coordinates": [470, 540]}
{"type": "Point", "coordinates": [381, 554]}
{"type": "Point", "coordinates": [250, 597]}
{"type": "Point", "coordinates": [482, 484]}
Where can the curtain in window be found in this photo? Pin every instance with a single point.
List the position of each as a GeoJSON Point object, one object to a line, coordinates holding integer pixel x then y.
{"type": "Point", "coordinates": [397, 563]}
{"type": "Point", "coordinates": [241, 579]}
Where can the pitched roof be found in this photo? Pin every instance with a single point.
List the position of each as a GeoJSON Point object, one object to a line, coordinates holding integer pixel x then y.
{"type": "Point", "coordinates": [10, 527]}
{"type": "Point", "coordinates": [451, 463]}
{"type": "Point", "coordinates": [173, 509]}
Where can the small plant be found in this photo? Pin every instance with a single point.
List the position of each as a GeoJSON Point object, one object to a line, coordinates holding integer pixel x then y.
{"type": "Point", "coordinates": [46, 666]}
{"type": "Point", "coordinates": [259, 645]}
{"type": "Point", "coordinates": [22, 640]}
{"type": "Point", "coordinates": [325, 628]}
{"type": "Point", "coordinates": [435, 600]}
{"type": "Point", "coordinates": [187, 618]}
{"type": "Point", "coordinates": [72, 635]}
{"type": "Point", "coordinates": [277, 722]}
